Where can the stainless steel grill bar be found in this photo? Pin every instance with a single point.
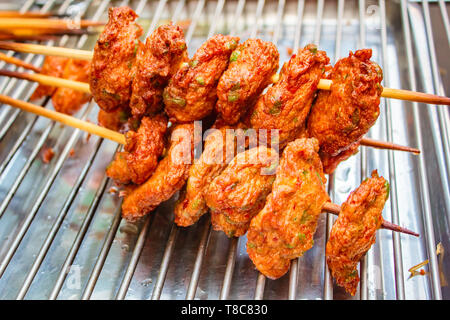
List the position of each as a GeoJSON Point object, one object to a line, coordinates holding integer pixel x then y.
{"type": "Point", "coordinates": [217, 13]}
{"type": "Point", "coordinates": [31, 123]}
{"type": "Point", "coordinates": [193, 283]}
{"type": "Point", "coordinates": [25, 169]}
{"type": "Point", "coordinates": [156, 294]}
{"type": "Point", "coordinates": [439, 121]}
{"type": "Point", "coordinates": [26, 6]}
{"type": "Point", "coordinates": [21, 176]}
{"type": "Point", "coordinates": [442, 112]}
{"type": "Point", "coordinates": [278, 26]}
{"type": "Point", "coordinates": [362, 14]}
{"type": "Point", "coordinates": [231, 262]}
{"type": "Point", "coordinates": [328, 279]}
{"type": "Point", "coordinates": [113, 229]}
{"type": "Point", "coordinates": [261, 281]}
{"type": "Point", "coordinates": [57, 224]}
{"type": "Point", "coordinates": [293, 281]}
{"type": "Point", "coordinates": [79, 238]}
{"type": "Point", "coordinates": [318, 30]}
{"type": "Point", "coordinates": [393, 197]}
{"type": "Point", "coordinates": [260, 285]}
{"type": "Point", "coordinates": [12, 82]}
{"type": "Point", "coordinates": [26, 223]}
{"type": "Point", "coordinates": [103, 254]}
{"type": "Point", "coordinates": [363, 290]}
{"type": "Point", "coordinates": [18, 143]}
{"type": "Point", "coordinates": [148, 220]}
{"type": "Point", "coordinates": [293, 275]}
{"type": "Point", "coordinates": [156, 16]}
{"type": "Point", "coordinates": [70, 198]}
{"type": "Point", "coordinates": [435, 281]}
{"type": "Point", "coordinates": [134, 258]}
{"type": "Point", "coordinates": [445, 19]}
{"type": "Point", "coordinates": [126, 283]}
{"type": "Point", "coordinates": [238, 13]}
{"type": "Point", "coordinates": [298, 29]}
{"type": "Point", "coordinates": [195, 18]}
{"type": "Point", "coordinates": [234, 242]}
{"type": "Point", "coordinates": [177, 12]}
{"type": "Point", "coordinates": [259, 9]}
{"type": "Point", "coordinates": [46, 189]}
{"type": "Point", "coordinates": [140, 6]}
{"type": "Point", "coordinates": [8, 84]}
{"type": "Point", "coordinates": [340, 19]}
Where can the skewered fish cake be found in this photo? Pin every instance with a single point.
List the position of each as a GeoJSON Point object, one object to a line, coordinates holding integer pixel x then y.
{"type": "Point", "coordinates": [354, 231]}
{"type": "Point", "coordinates": [192, 92]}
{"type": "Point", "coordinates": [284, 229]}
{"type": "Point", "coordinates": [252, 65]}
{"type": "Point", "coordinates": [114, 56]}
{"type": "Point", "coordinates": [342, 115]}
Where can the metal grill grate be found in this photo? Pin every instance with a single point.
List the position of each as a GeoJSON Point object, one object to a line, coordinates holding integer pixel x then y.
{"type": "Point", "coordinates": [61, 234]}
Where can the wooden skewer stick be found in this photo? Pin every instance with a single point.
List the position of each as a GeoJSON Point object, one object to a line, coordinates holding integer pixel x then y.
{"type": "Point", "coordinates": [18, 14]}
{"type": "Point", "coordinates": [48, 80]}
{"type": "Point", "coordinates": [39, 37]}
{"type": "Point", "coordinates": [387, 145]}
{"type": "Point", "coordinates": [65, 119]}
{"type": "Point", "coordinates": [335, 209]}
{"type": "Point", "coordinates": [44, 32]}
{"type": "Point", "coordinates": [400, 94]}
{"type": "Point", "coordinates": [120, 138]}
{"type": "Point", "coordinates": [84, 87]}
{"type": "Point", "coordinates": [324, 84]}
{"type": "Point", "coordinates": [45, 50]}
{"type": "Point", "coordinates": [18, 62]}
{"type": "Point", "coordinates": [36, 23]}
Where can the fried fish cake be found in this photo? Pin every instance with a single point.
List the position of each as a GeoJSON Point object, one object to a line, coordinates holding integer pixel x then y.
{"type": "Point", "coordinates": [286, 104]}
{"type": "Point", "coordinates": [115, 120]}
{"type": "Point", "coordinates": [192, 92]}
{"type": "Point", "coordinates": [53, 66]}
{"type": "Point", "coordinates": [112, 62]}
{"type": "Point", "coordinates": [354, 231]}
{"type": "Point", "coordinates": [169, 176]}
{"type": "Point", "coordinates": [251, 68]}
{"type": "Point", "coordinates": [239, 192]}
{"type": "Point", "coordinates": [284, 229]}
{"type": "Point", "coordinates": [156, 62]}
{"type": "Point", "coordinates": [142, 151]}
{"type": "Point", "coordinates": [218, 151]}
{"type": "Point", "coordinates": [67, 100]}
{"type": "Point", "coordinates": [342, 115]}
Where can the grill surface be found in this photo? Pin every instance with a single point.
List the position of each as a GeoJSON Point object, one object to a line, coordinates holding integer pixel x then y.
{"type": "Point", "coordinates": [61, 235]}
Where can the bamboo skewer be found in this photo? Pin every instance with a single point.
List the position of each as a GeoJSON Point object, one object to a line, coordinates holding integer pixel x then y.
{"type": "Point", "coordinates": [44, 32]}
{"type": "Point", "coordinates": [48, 80]}
{"type": "Point", "coordinates": [18, 62]}
{"type": "Point", "coordinates": [38, 37]}
{"type": "Point", "coordinates": [400, 94]}
{"type": "Point", "coordinates": [120, 138]}
{"type": "Point", "coordinates": [45, 50]}
{"type": "Point", "coordinates": [324, 84]}
{"type": "Point", "coordinates": [18, 14]}
{"type": "Point", "coordinates": [36, 23]}
{"type": "Point", "coordinates": [84, 87]}
{"type": "Point", "coordinates": [65, 119]}
{"type": "Point", "coordinates": [387, 145]}
{"type": "Point", "coordinates": [335, 209]}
